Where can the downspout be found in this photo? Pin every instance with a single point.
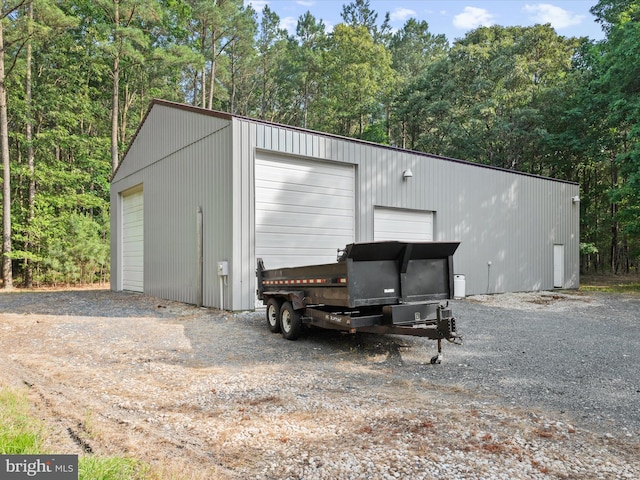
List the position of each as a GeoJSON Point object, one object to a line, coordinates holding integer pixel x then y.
{"type": "Point", "coordinates": [200, 268]}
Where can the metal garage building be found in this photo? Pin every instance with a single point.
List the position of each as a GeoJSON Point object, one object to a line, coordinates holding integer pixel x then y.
{"type": "Point", "coordinates": [200, 195]}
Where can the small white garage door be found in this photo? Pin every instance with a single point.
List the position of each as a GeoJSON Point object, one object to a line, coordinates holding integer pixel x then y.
{"type": "Point", "coordinates": [304, 210]}
{"type": "Point", "coordinates": [402, 225]}
{"type": "Point", "coordinates": [133, 241]}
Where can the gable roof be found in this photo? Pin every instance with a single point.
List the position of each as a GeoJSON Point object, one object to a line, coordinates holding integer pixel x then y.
{"type": "Point", "coordinates": [229, 116]}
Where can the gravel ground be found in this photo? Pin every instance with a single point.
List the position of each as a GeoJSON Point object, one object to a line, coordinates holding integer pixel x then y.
{"type": "Point", "coordinates": [573, 353]}
{"type": "Point", "coordinates": [545, 386]}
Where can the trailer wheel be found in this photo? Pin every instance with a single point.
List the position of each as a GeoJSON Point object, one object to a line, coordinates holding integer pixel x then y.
{"type": "Point", "coordinates": [290, 321]}
{"type": "Point", "coordinates": [273, 315]}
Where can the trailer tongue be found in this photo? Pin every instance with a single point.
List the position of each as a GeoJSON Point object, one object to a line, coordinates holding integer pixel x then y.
{"type": "Point", "coordinates": [379, 287]}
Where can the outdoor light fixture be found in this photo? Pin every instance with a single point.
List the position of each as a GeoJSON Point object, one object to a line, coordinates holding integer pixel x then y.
{"type": "Point", "coordinates": [407, 174]}
{"type": "Point", "coordinates": [576, 199]}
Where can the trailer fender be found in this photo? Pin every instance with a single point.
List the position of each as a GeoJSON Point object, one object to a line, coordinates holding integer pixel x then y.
{"type": "Point", "coordinates": [296, 297]}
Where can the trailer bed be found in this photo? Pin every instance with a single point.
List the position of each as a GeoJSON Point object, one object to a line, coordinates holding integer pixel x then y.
{"type": "Point", "coordinates": [398, 288]}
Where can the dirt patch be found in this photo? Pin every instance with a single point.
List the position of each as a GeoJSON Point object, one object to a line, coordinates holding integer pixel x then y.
{"type": "Point", "coordinates": [548, 301]}
{"type": "Point", "coordinates": [199, 393]}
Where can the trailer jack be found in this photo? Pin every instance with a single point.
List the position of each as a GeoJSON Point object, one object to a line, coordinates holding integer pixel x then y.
{"type": "Point", "coordinates": [437, 359]}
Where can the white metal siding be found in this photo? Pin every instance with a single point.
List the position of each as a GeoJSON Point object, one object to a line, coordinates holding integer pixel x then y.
{"type": "Point", "coordinates": [133, 241]}
{"type": "Point", "coordinates": [402, 225]}
{"type": "Point", "coordinates": [304, 210]}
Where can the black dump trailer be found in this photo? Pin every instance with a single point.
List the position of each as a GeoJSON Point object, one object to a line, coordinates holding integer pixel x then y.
{"type": "Point", "coordinates": [391, 287]}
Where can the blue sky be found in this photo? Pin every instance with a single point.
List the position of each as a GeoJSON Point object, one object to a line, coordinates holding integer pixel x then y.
{"type": "Point", "coordinates": [451, 17]}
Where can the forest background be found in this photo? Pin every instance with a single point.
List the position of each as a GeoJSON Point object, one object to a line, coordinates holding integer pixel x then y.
{"type": "Point", "coordinates": [77, 76]}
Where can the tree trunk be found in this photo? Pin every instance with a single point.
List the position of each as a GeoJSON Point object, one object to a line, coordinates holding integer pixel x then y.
{"type": "Point", "coordinates": [203, 78]}
{"type": "Point", "coordinates": [305, 111]}
{"type": "Point", "coordinates": [263, 97]}
{"type": "Point", "coordinates": [194, 98]}
{"type": "Point", "coordinates": [212, 76]}
{"type": "Point", "coordinates": [7, 273]}
{"type": "Point", "coordinates": [28, 268]}
{"type": "Point", "coordinates": [614, 224]}
{"type": "Point", "coordinates": [116, 86]}
{"type": "Point", "coordinates": [128, 101]}
{"type": "Point", "coordinates": [232, 93]}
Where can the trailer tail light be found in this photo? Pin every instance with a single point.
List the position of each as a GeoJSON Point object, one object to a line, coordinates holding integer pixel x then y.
{"type": "Point", "coordinates": [299, 281]}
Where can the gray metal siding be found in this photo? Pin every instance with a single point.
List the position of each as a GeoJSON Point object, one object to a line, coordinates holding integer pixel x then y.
{"type": "Point", "coordinates": [243, 264]}
{"type": "Point", "coordinates": [506, 218]}
{"type": "Point", "coordinates": [183, 161]}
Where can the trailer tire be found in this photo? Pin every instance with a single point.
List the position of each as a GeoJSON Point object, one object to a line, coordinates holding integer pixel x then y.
{"type": "Point", "coordinates": [273, 314]}
{"type": "Point", "coordinates": [290, 321]}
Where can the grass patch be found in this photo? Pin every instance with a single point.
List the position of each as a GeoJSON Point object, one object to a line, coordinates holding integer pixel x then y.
{"type": "Point", "coordinates": [22, 434]}
{"type": "Point", "coordinates": [112, 468]}
{"type": "Point", "coordinates": [610, 283]}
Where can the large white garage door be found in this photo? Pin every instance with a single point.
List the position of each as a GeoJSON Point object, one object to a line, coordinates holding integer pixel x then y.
{"type": "Point", "coordinates": [304, 210]}
{"type": "Point", "coordinates": [133, 241]}
{"type": "Point", "coordinates": [402, 225]}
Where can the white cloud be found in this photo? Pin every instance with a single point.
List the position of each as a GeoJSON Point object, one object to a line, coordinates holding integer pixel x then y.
{"type": "Point", "coordinates": [556, 16]}
{"type": "Point", "coordinates": [473, 17]}
{"type": "Point", "coordinates": [402, 14]}
{"type": "Point", "coordinates": [306, 3]}
{"type": "Point", "coordinates": [257, 5]}
{"type": "Point", "coordinates": [289, 24]}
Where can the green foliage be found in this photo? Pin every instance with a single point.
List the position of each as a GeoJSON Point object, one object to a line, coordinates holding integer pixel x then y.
{"type": "Point", "coordinates": [81, 255]}
{"type": "Point", "coordinates": [111, 468]}
{"type": "Point", "coordinates": [306, 69]}
{"type": "Point", "coordinates": [359, 73]}
{"type": "Point", "coordinates": [20, 433]}
{"type": "Point", "coordinates": [375, 133]}
{"type": "Point", "coordinates": [491, 98]}
{"type": "Point", "coordinates": [521, 98]}
{"type": "Point", "coordinates": [602, 132]}
{"type": "Point", "coordinates": [588, 248]}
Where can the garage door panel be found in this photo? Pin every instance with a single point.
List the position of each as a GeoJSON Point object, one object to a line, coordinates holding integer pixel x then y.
{"type": "Point", "coordinates": [321, 230]}
{"type": "Point", "coordinates": [328, 228]}
{"type": "Point", "coordinates": [316, 201]}
{"type": "Point", "coordinates": [304, 210]}
{"type": "Point", "coordinates": [281, 179]}
{"type": "Point", "coordinates": [307, 220]}
{"type": "Point", "coordinates": [272, 213]}
{"type": "Point", "coordinates": [316, 240]}
{"type": "Point", "coordinates": [133, 241]}
{"type": "Point", "coordinates": [302, 258]}
{"type": "Point", "coordinates": [403, 225]}
{"type": "Point", "coordinates": [289, 190]}
{"type": "Point", "coordinates": [302, 236]}
{"type": "Point", "coordinates": [292, 168]}
{"type": "Point", "coordinates": [292, 177]}
{"type": "Point", "coordinates": [313, 256]}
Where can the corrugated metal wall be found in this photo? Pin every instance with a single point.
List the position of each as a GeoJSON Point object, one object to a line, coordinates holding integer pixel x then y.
{"type": "Point", "coordinates": [186, 160]}
{"type": "Point", "coordinates": [511, 220]}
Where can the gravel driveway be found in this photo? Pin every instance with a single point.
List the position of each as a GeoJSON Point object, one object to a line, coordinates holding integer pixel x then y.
{"type": "Point", "coordinates": [575, 353]}
{"type": "Point", "coordinates": [546, 385]}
